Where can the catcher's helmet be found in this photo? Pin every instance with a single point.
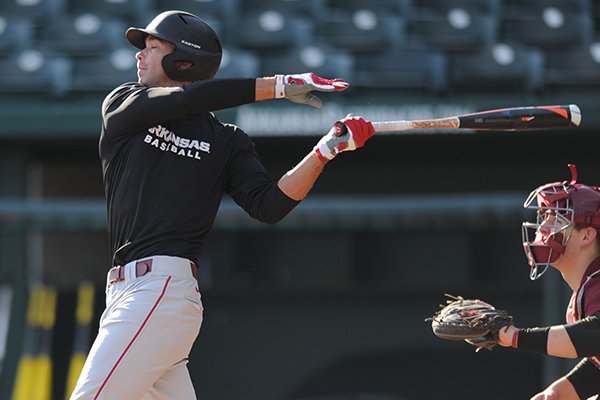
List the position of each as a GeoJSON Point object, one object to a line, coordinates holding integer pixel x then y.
{"type": "Point", "coordinates": [195, 41]}
{"type": "Point", "coordinates": [559, 205]}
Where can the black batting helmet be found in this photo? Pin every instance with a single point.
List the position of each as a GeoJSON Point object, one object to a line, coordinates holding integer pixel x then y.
{"type": "Point", "coordinates": [195, 41]}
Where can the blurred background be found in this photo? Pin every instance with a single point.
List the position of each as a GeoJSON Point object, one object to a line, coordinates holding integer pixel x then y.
{"type": "Point", "coordinates": [330, 303]}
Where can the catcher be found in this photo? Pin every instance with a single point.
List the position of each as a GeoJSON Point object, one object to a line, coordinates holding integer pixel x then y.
{"type": "Point", "coordinates": [565, 237]}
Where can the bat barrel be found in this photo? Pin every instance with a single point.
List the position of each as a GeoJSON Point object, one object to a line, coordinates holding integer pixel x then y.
{"type": "Point", "coordinates": [524, 118]}
{"type": "Point", "coordinates": [505, 119]}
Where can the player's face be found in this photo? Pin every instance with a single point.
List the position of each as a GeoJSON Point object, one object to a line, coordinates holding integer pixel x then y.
{"type": "Point", "coordinates": [150, 70]}
{"type": "Point", "coordinates": [552, 224]}
{"type": "Point", "coordinates": [556, 224]}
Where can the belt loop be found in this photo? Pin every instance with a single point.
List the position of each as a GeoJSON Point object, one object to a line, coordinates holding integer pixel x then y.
{"type": "Point", "coordinates": [130, 271]}
{"type": "Point", "coordinates": [143, 267]}
{"type": "Point", "coordinates": [116, 274]}
{"type": "Point", "coordinates": [113, 275]}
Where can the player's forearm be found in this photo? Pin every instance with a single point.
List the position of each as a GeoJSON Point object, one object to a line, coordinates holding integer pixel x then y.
{"type": "Point", "coordinates": [560, 344]}
{"type": "Point", "coordinates": [265, 88]}
{"type": "Point", "coordinates": [555, 341]}
{"type": "Point", "coordinates": [298, 181]}
{"type": "Point", "coordinates": [579, 339]}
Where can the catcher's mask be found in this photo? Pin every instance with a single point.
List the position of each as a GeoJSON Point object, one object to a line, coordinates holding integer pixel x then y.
{"type": "Point", "coordinates": [195, 41]}
{"type": "Point", "coordinates": [559, 206]}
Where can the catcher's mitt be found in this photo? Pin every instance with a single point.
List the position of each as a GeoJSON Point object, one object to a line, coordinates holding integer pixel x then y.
{"type": "Point", "coordinates": [474, 321]}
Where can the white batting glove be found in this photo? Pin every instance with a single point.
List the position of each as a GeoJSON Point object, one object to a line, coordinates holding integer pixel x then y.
{"type": "Point", "coordinates": [298, 88]}
{"type": "Point", "coordinates": [346, 135]}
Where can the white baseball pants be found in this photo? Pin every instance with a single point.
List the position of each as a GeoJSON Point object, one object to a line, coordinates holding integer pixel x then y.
{"type": "Point", "coordinates": [145, 335]}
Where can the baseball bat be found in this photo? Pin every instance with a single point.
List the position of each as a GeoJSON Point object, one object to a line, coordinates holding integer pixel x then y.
{"type": "Point", "coordinates": [504, 119]}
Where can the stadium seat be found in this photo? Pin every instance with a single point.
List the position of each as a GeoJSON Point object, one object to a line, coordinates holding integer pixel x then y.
{"type": "Point", "coordinates": [596, 17]}
{"type": "Point", "coordinates": [238, 63]}
{"type": "Point", "coordinates": [364, 30]}
{"type": "Point", "coordinates": [501, 66]}
{"type": "Point", "coordinates": [549, 25]}
{"type": "Point", "coordinates": [103, 73]}
{"type": "Point", "coordinates": [401, 68]}
{"type": "Point", "coordinates": [15, 34]}
{"type": "Point", "coordinates": [453, 25]}
{"type": "Point", "coordinates": [550, 31]}
{"type": "Point", "coordinates": [127, 10]}
{"type": "Point", "coordinates": [82, 35]}
{"type": "Point", "coordinates": [356, 25]}
{"type": "Point", "coordinates": [514, 8]}
{"type": "Point", "coordinates": [458, 30]}
{"type": "Point", "coordinates": [578, 67]}
{"type": "Point", "coordinates": [36, 11]}
{"type": "Point", "coordinates": [222, 10]}
{"type": "Point", "coordinates": [303, 8]}
{"type": "Point", "coordinates": [478, 7]}
{"type": "Point", "coordinates": [265, 30]}
{"type": "Point", "coordinates": [31, 71]}
{"type": "Point", "coordinates": [393, 8]}
{"type": "Point", "coordinates": [321, 60]}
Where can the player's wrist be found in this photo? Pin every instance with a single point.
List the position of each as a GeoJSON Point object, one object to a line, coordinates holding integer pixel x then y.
{"type": "Point", "coordinates": [534, 339]}
{"type": "Point", "coordinates": [515, 339]}
{"type": "Point", "coordinates": [264, 88]}
{"type": "Point", "coordinates": [506, 336]}
{"type": "Point", "coordinates": [323, 153]}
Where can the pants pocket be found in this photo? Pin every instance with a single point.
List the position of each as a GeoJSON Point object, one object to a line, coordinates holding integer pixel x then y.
{"type": "Point", "coordinates": [194, 301]}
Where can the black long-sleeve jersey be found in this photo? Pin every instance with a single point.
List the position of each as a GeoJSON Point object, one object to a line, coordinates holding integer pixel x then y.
{"type": "Point", "coordinates": [167, 161]}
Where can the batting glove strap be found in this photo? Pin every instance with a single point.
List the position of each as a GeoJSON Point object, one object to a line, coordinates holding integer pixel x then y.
{"type": "Point", "coordinates": [279, 87]}
{"type": "Point", "coordinates": [323, 152]}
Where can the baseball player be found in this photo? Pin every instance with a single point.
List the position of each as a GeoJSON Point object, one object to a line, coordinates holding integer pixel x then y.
{"type": "Point", "coordinates": [166, 162]}
{"type": "Point", "coordinates": [566, 237]}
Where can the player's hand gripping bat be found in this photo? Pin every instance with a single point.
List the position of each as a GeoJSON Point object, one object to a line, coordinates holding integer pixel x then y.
{"type": "Point", "coordinates": [505, 119]}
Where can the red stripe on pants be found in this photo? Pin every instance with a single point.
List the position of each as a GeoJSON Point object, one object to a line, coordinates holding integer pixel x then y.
{"type": "Point", "coordinates": [134, 338]}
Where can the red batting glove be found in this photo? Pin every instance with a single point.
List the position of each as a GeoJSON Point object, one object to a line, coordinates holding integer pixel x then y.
{"type": "Point", "coordinates": [346, 135]}
{"type": "Point", "coordinates": [298, 88]}
{"type": "Point", "coordinates": [360, 129]}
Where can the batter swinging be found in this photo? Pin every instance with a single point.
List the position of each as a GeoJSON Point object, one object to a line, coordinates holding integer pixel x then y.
{"type": "Point", "coordinates": [166, 162]}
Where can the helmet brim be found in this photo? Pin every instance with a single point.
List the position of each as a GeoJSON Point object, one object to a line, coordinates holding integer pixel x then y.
{"type": "Point", "coordinates": [137, 36]}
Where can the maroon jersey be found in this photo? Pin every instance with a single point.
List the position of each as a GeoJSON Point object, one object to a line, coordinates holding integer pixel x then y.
{"type": "Point", "coordinates": [585, 301]}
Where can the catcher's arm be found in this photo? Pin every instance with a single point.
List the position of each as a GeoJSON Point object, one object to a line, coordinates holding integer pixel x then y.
{"type": "Point", "coordinates": [579, 339]}
{"type": "Point", "coordinates": [560, 389]}
{"type": "Point", "coordinates": [558, 342]}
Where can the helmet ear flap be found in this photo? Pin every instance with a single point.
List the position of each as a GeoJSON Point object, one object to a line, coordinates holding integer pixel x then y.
{"type": "Point", "coordinates": [202, 67]}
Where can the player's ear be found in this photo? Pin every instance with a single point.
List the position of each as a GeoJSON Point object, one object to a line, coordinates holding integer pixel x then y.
{"type": "Point", "coordinates": [182, 65]}
{"type": "Point", "coordinates": [590, 236]}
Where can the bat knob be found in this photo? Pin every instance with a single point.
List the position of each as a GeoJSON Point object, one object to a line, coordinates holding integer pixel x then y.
{"type": "Point", "coordinates": [340, 128]}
